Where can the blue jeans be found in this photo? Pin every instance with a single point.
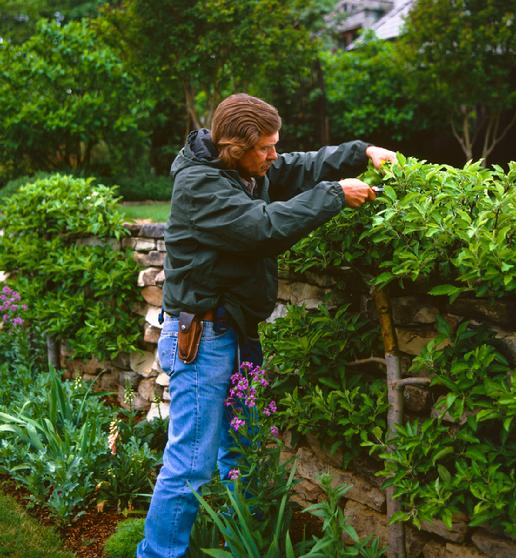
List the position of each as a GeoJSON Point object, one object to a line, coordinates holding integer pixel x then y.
{"type": "Point", "coordinates": [198, 435]}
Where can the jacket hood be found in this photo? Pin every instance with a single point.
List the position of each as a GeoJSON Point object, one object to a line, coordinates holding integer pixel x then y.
{"type": "Point", "coordinates": [198, 150]}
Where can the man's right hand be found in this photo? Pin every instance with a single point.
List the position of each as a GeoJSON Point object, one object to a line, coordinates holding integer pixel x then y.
{"type": "Point", "coordinates": [356, 192]}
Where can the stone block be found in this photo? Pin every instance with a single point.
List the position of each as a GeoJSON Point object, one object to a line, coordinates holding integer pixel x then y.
{"type": "Point", "coordinates": [496, 311]}
{"type": "Point", "coordinates": [161, 246]}
{"type": "Point", "coordinates": [417, 399]}
{"type": "Point", "coordinates": [463, 551]}
{"type": "Point", "coordinates": [153, 295]}
{"type": "Point", "coordinates": [311, 468]}
{"type": "Point", "coordinates": [133, 228]}
{"type": "Point", "coordinates": [413, 310]}
{"type": "Point", "coordinates": [96, 241]}
{"type": "Point", "coordinates": [152, 230]}
{"type": "Point", "coordinates": [139, 244]}
{"type": "Point", "coordinates": [494, 547]}
{"type": "Point", "coordinates": [121, 360]}
{"type": "Point", "coordinates": [152, 258]}
{"type": "Point", "coordinates": [166, 394]}
{"type": "Point", "coordinates": [366, 521]}
{"type": "Point", "coordinates": [412, 341]}
{"type": "Point", "coordinates": [129, 378]}
{"type": "Point", "coordinates": [163, 379]}
{"type": "Point", "coordinates": [138, 403]}
{"type": "Point", "coordinates": [456, 534]}
{"type": "Point", "coordinates": [146, 389]}
{"type": "Point", "coordinates": [306, 493]}
{"type": "Point", "coordinates": [506, 341]}
{"type": "Point", "coordinates": [151, 316]}
{"type": "Point", "coordinates": [4, 275]}
{"type": "Point", "coordinates": [151, 334]}
{"type": "Point", "coordinates": [160, 277]}
{"type": "Point", "coordinates": [158, 410]}
{"type": "Point", "coordinates": [301, 293]}
{"type": "Point", "coordinates": [147, 277]}
{"type": "Point", "coordinates": [280, 310]}
{"type": "Point", "coordinates": [109, 380]}
{"type": "Point", "coordinates": [143, 363]}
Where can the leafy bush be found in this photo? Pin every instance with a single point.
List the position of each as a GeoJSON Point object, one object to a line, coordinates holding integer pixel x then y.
{"type": "Point", "coordinates": [462, 460]}
{"type": "Point", "coordinates": [122, 543]}
{"type": "Point", "coordinates": [58, 237]}
{"type": "Point", "coordinates": [318, 392]}
{"type": "Point", "coordinates": [443, 231]}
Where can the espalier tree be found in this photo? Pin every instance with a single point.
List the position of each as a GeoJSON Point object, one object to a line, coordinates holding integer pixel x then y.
{"type": "Point", "coordinates": [451, 232]}
{"type": "Point", "coordinates": [58, 237]}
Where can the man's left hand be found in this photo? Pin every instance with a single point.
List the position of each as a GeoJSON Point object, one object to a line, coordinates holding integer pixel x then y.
{"type": "Point", "coordinates": [379, 155]}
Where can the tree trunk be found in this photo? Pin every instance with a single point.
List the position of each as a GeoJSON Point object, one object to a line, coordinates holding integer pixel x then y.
{"type": "Point", "coordinates": [53, 352]}
{"type": "Point", "coordinates": [396, 531]}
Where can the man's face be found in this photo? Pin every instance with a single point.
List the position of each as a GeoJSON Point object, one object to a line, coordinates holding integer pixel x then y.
{"type": "Point", "coordinates": [257, 161]}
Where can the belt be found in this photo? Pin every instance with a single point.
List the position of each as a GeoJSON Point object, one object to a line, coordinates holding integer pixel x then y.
{"type": "Point", "coordinates": [208, 316]}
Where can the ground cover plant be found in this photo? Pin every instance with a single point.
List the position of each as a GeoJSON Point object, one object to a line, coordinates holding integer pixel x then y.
{"type": "Point", "coordinates": [22, 537]}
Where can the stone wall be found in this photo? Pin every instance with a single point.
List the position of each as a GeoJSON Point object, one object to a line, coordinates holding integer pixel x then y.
{"type": "Point", "coordinates": [364, 504]}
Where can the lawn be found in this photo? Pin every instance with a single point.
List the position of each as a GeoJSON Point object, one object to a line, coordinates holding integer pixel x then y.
{"type": "Point", "coordinates": [156, 212]}
{"type": "Point", "coordinates": [22, 537]}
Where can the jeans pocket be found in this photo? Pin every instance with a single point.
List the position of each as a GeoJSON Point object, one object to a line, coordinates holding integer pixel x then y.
{"type": "Point", "coordinates": [167, 352]}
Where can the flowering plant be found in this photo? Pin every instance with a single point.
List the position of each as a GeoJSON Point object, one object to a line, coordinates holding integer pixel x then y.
{"type": "Point", "coordinates": [256, 437]}
{"type": "Point", "coordinates": [13, 336]}
{"type": "Point", "coordinates": [10, 308]}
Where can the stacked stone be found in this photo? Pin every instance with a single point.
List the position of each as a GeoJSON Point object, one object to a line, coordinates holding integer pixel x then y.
{"type": "Point", "coordinates": [145, 375]}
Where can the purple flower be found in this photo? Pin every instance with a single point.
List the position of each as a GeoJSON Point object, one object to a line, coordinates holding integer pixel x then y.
{"type": "Point", "coordinates": [234, 474]}
{"type": "Point", "coordinates": [17, 321]}
{"type": "Point", "coordinates": [272, 406]}
{"type": "Point", "coordinates": [236, 423]}
{"type": "Point", "coordinates": [6, 290]}
{"type": "Point", "coordinates": [274, 431]}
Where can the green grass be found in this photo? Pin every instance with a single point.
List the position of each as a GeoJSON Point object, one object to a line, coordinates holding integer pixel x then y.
{"type": "Point", "coordinates": [156, 211]}
{"type": "Point", "coordinates": [22, 537]}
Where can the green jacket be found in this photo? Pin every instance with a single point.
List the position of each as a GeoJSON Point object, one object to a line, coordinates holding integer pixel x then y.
{"type": "Point", "coordinates": [222, 242]}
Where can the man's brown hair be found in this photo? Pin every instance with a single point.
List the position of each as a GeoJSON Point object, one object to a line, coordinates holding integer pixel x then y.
{"type": "Point", "coordinates": [238, 122]}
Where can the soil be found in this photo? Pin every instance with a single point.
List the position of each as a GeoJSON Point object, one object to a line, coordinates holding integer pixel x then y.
{"type": "Point", "coordinates": [85, 537]}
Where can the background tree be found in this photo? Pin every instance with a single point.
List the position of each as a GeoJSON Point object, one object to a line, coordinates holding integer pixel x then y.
{"type": "Point", "coordinates": [18, 18]}
{"type": "Point", "coordinates": [461, 57]}
{"type": "Point", "coordinates": [199, 52]}
{"type": "Point", "coordinates": [67, 101]}
{"type": "Point", "coordinates": [366, 94]}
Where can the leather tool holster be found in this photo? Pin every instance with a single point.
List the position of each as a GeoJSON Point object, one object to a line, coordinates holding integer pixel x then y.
{"type": "Point", "coordinates": [189, 336]}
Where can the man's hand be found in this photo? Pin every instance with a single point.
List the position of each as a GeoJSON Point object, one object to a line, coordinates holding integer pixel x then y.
{"type": "Point", "coordinates": [379, 155]}
{"type": "Point", "coordinates": [356, 192]}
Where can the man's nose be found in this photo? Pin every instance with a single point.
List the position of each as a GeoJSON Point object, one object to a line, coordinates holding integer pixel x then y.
{"type": "Point", "coordinates": [272, 155]}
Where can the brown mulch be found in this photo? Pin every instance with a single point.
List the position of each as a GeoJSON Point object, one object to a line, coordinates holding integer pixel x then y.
{"type": "Point", "coordinates": [85, 537]}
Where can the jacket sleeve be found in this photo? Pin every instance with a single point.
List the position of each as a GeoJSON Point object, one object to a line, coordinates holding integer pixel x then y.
{"type": "Point", "coordinates": [296, 172]}
{"type": "Point", "coordinates": [227, 219]}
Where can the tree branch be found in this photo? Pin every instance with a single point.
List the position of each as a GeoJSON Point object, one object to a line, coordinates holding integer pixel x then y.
{"type": "Point", "coordinates": [412, 381]}
{"type": "Point", "coordinates": [369, 360]}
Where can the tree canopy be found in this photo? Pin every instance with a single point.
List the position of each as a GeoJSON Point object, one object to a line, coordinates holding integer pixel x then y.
{"type": "Point", "coordinates": [461, 59]}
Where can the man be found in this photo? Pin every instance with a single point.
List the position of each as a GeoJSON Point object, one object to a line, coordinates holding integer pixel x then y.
{"type": "Point", "coordinates": [236, 205]}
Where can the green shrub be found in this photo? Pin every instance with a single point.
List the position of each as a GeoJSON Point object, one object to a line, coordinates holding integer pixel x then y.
{"type": "Point", "coordinates": [447, 232]}
{"type": "Point", "coordinates": [318, 392]}
{"type": "Point", "coordinates": [61, 239]}
{"type": "Point", "coordinates": [122, 543]}
{"type": "Point", "coordinates": [144, 186]}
